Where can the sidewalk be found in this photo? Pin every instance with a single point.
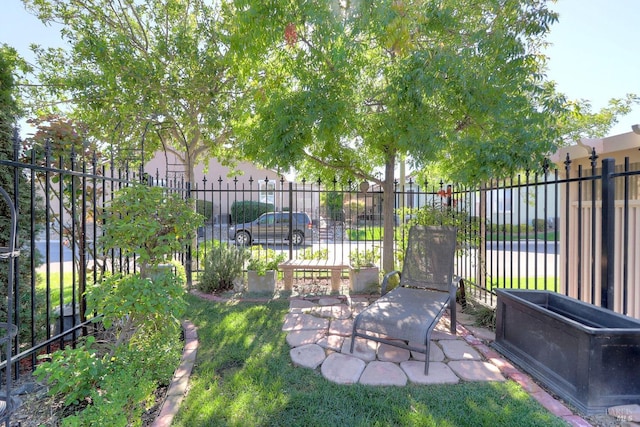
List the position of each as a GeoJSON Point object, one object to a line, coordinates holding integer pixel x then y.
{"type": "Point", "coordinates": [319, 334]}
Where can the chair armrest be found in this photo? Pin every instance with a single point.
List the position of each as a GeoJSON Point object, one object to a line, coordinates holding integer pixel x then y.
{"type": "Point", "coordinates": [385, 280]}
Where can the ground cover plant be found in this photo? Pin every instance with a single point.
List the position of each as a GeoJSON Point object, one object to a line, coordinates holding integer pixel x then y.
{"type": "Point", "coordinates": [244, 376]}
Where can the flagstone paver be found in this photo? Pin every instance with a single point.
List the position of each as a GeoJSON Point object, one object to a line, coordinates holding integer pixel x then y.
{"type": "Point", "coordinates": [342, 327]}
{"type": "Point", "coordinates": [383, 373]}
{"type": "Point", "coordinates": [296, 305]}
{"type": "Point", "coordinates": [310, 336]}
{"type": "Point", "coordinates": [300, 322]}
{"type": "Point", "coordinates": [319, 334]}
{"type": "Point", "coordinates": [329, 301]}
{"type": "Point", "coordinates": [476, 370]}
{"type": "Point", "coordinates": [331, 342]}
{"type": "Point", "coordinates": [387, 353]}
{"type": "Point", "coordinates": [459, 350]}
{"type": "Point", "coordinates": [339, 311]}
{"type": "Point", "coordinates": [308, 356]}
{"type": "Point", "coordinates": [439, 373]}
{"type": "Point", "coordinates": [435, 352]}
{"type": "Point", "coordinates": [364, 349]}
{"type": "Point", "coordinates": [342, 368]}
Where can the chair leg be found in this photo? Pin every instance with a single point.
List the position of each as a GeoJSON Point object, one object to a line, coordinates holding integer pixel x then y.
{"type": "Point", "coordinates": [452, 316]}
{"type": "Point", "coordinates": [426, 362]}
{"type": "Point", "coordinates": [353, 335]}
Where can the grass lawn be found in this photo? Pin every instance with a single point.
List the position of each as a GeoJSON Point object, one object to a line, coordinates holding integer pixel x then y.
{"type": "Point", "coordinates": [54, 284]}
{"type": "Point", "coordinates": [365, 233]}
{"type": "Point", "coordinates": [514, 237]}
{"type": "Point", "coordinates": [244, 377]}
{"type": "Point", "coordinates": [537, 283]}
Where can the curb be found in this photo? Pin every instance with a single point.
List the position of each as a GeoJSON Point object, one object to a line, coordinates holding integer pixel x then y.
{"type": "Point", "coordinates": [178, 387]}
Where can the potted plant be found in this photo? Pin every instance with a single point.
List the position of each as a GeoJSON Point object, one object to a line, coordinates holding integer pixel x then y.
{"type": "Point", "coordinates": [223, 269]}
{"type": "Point", "coordinates": [364, 274]}
{"type": "Point", "coordinates": [262, 270]}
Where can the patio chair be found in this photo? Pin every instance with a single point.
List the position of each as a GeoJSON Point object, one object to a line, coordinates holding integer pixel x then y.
{"type": "Point", "coordinates": [406, 316]}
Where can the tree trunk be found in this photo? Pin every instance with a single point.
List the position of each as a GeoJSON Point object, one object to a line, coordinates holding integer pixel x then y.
{"type": "Point", "coordinates": [388, 215]}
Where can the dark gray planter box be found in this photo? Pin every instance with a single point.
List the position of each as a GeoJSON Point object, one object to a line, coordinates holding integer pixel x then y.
{"type": "Point", "coordinates": [588, 355]}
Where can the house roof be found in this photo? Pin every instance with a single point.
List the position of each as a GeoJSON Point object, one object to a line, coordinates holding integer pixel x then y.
{"type": "Point", "coordinates": [609, 145]}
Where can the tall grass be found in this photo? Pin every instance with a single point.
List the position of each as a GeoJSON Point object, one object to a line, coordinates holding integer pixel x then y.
{"type": "Point", "coordinates": [244, 377]}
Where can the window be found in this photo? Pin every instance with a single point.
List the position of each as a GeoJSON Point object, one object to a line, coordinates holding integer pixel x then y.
{"type": "Point", "coordinates": [267, 192]}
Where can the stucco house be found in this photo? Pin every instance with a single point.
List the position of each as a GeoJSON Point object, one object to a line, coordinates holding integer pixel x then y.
{"type": "Point", "coordinates": [581, 217]}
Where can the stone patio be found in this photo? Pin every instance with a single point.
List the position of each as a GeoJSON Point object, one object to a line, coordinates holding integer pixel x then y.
{"type": "Point", "coordinates": [319, 334]}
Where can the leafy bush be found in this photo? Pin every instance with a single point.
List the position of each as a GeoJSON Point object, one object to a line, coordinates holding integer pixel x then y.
{"type": "Point", "coordinates": [204, 248]}
{"type": "Point", "coordinates": [310, 254]}
{"type": "Point", "coordinates": [364, 258]}
{"type": "Point", "coordinates": [72, 372]}
{"type": "Point", "coordinates": [468, 229]}
{"type": "Point", "coordinates": [539, 224]}
{"type": "Point", "coordinates": [248, 210]}
{"type": "Point", "coordinates": [115, 387]}
{"type": "Point", "coordinates": [222, 266]}
{"type": "Point", "coordinates": [205, 208]}
{"type": "Point", "coordinates": [333, 202]}
{"type": "Point", "coordinates": [137, 307]}
{"type": "Point", "coordinates": [263, 260]}
{"type": "Point", "coordinates": [118, 384]}
{"type": "Point", "coordinates": [148, 222]}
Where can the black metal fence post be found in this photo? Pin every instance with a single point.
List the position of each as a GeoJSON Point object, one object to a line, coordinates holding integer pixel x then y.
{"type": "Point", "coordinates": [608, 234]}
{"type": "Point", "coordinates": [291, 219]}
{"type": "Point", "coordinates": [187, 266]}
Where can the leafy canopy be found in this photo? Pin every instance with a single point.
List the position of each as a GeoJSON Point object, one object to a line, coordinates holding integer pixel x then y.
{"type": "Point", "coordinates": [353, 87]}
{"type": "Point", "coordinates": [151, 73]}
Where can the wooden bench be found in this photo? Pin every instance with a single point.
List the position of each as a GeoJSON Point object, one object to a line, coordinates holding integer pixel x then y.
{"type": "Point", "coordinates": [336, 267]}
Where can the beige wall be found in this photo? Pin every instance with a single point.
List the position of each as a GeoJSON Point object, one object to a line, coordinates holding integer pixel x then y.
{"type": "Point", "coordinates": [249, 185]}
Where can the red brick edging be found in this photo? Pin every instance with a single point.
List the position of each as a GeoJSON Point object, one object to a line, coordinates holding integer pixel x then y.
{"type": "Point", "coordinates": [178, 387]}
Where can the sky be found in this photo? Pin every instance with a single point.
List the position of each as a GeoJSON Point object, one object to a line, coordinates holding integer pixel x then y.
{"type": "Point", "coordinates": [594, 54]}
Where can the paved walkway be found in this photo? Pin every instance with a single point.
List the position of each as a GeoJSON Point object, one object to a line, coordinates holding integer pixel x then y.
{"type": "Point", "coordinates": [319, 334]}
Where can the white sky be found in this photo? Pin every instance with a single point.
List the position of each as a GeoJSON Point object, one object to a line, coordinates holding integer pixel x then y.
{"type": "Point", "coordinates": [594, 53]}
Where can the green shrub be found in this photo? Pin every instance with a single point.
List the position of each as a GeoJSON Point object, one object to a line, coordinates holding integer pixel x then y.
{"type": "Point", "coordinates": [364, 257]}
{"type": "Point", "coordinates": [539, 224]}
{"type": "Point", "coordinates": [310, 254]}
{"type": "Point", "coordinates": [205, 247]}
{"type": "Point", "coordinates": [248, 210]}
{"type": "Point", "coordinates": [222, 266]}
{"type": "Point", "coordinates": [205, 208]}
{"type": "Point", "coordinates": [333, 202]}
{"type": "Point", "coordinates": [468, 235]}
{"type": "Point", "coordinates": [149, 223]}
{"type": "Point", "coordinates": [263, 260]}
{"type": "Point", "coordinates": [73, 372]}
{"type": "Point", "coordinates": [136, 307]}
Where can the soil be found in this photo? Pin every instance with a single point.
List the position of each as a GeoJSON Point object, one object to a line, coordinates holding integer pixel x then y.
{"type": "Point", "coordinates": [38, 409]}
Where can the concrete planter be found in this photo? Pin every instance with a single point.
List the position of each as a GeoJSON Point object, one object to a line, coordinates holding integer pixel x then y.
{"type": "Point", "coordinates": [261, 284]}
{"type": "Point", "coordinates": [586, 354]}
{"type": "Point", "coordinates": [364, 279]}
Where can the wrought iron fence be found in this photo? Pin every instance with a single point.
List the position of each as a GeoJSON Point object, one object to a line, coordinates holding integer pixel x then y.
{"type": "Point", "coordinates": [59, 200]}
{"type": "Point", "coordinates": [568, 230]}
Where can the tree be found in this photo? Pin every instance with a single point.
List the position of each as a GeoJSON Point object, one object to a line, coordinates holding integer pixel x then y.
{"type": "Point", "coordinates": [352, 87]}
{"type": "Point", "coordinates": [11, 66]}
{"type": "Point", "coordinates": [141, 75]}
{"type": "Point", "coordinates": [582, 123]}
